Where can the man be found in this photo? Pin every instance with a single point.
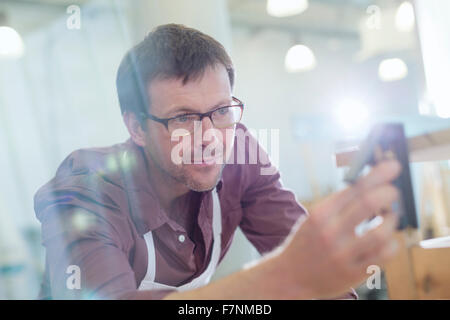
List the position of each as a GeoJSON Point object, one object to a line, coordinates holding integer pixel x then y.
{"type": "Point", "coordinates": [132, 221]}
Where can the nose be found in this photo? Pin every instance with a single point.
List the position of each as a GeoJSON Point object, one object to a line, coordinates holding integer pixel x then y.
{"type": "Point", "coordinates": [207, 127]}
{"type": "Point", "coordinates": [207, 124]}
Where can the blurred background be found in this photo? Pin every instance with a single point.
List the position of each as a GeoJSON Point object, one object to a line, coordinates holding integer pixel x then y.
{"type": "Point", "coordinates": [320, 71]}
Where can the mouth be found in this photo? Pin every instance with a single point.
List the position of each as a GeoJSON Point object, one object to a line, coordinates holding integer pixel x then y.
{"type": "Point", "coordinates": [207, 161]}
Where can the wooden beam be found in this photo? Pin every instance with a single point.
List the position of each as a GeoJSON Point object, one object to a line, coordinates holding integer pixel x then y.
{"type": "Point", "coordinates": [433, 146]}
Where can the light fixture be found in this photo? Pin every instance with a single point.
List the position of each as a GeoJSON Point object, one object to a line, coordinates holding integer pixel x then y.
{"type": "Point", "coordinates": [286, 8]}
{"type": "Point", "coordinates": [11, 43]}
{"type": "Point", "coordinates": [351, 114]}
{"type": "Point", "coordinates": [299, 58]}
{"type": "Point", "coordinates": [405, 18]}
{"type": "Point", "coordinates": [392, 70]}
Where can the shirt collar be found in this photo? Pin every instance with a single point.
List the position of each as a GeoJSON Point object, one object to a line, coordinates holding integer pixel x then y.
{"type": "Point", "coordinates": [144, 203]}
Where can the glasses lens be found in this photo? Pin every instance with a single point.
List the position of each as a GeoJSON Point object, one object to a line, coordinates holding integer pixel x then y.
{"type": "Point", "coordinates": [184, 122]}
{"type": "Point", "coordinates": [226, 116]}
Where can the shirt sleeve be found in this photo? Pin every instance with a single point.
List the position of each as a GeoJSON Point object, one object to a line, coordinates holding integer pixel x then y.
{"type": "Point", "coordinates": [87, 236]}
{"type": "Point", "coordinates": [269, 214]}
{"type": "Point", "coordinates": [269, 210]}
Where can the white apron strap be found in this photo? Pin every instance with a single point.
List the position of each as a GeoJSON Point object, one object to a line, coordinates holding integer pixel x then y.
{"type": "Point", "coordinates": [148, 283]}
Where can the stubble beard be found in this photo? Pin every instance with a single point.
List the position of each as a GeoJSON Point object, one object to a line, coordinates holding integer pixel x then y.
{"type": "Point", "coordinates": [178, 174]}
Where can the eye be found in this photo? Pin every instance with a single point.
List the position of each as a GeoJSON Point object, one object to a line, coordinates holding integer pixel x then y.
{"type": "Point", "coordinates": [182, 118]}
{"type": "Point", "coordinates": [223, 111]}
{"type": "Point", "coordinates": [186, 118]}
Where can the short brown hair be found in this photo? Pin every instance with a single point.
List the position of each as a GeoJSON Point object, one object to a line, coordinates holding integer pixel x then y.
{"type": "Point", "coordinates": [170, 50]}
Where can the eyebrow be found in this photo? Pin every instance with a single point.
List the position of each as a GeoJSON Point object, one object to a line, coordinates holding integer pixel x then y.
{"type": "Point", "coordinates": [186, 109]}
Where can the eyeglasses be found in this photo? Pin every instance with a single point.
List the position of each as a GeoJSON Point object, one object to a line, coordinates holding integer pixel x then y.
{"type": "Point", "coordinates": [221, 117]}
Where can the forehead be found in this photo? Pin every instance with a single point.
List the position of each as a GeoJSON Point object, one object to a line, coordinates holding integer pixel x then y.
{"type": "Point", "coordinates": [201, 93]}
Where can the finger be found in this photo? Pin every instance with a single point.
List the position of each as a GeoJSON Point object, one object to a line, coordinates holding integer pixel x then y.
{"type": "Point", "coordinates": [369, 247]}
{"type": "Point", "coordinates": [368, 204]}
{"type": "Point", "coordinates": [382, 173]}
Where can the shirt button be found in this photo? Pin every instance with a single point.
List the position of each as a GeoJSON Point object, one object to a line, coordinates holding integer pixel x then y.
{"type": "Point", "coordinates": [181, 238]}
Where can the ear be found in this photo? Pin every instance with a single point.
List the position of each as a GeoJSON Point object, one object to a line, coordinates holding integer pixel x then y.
{"type": "Point", "coordinates": [134, 128]}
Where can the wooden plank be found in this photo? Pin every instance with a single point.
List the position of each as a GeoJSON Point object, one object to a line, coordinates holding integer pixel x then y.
{"type": "Point", "coordinates": [420, 271]}
{"type": "Point", "coordinates": [429, 140]}
{"type": "Point", "coordinates": [399, 274]}
{"type": "Point", "coordinates": [427, 147]}
{"type": "Point", "coordinates": [432, 272]}
{"type": "Point", "coordinates": [437, 153]}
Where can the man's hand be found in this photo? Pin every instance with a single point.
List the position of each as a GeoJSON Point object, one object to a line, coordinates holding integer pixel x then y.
{"type": "Point", "coordinates": [324, 256]}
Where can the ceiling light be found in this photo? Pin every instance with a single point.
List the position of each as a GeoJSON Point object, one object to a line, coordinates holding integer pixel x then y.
{"type": "Point", "coordinates": [392, 70]}
{"type": "Point", "coordinates": [405, 18]}
{"type": "Point", "coordinates": [299, 58]}
{"type": "Point", "coordinates": [286, 8]}
{"type": "Point", "coordinates": [11, 44]}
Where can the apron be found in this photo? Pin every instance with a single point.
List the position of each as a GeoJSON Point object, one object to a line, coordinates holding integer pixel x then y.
{"type": "Point", "coordinates": [148, 283]}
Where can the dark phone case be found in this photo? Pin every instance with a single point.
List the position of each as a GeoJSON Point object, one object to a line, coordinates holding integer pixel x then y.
{"type": "Point", "coordinates": [391, 136]}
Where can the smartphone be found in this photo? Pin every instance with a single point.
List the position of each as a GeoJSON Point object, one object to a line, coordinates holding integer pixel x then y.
{"type": "Point", "coordinates": [388, 141]}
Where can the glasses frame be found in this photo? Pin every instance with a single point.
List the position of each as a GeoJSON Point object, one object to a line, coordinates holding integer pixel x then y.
{"type": "Point", "coordinates": [165, 121]}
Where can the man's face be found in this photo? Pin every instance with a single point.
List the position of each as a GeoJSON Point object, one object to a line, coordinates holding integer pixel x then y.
{"type": "Point", "coordinates": [170, 98]}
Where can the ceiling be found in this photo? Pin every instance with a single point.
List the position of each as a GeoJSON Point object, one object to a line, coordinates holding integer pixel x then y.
{"type": "Point", "coordinates": [327, 17]}
{"type": "Point", "coordinates": [48, 3]}
{"type": "Point", "coordinates": [330, 17]}
{"type": "Point", "coordinates": [28, 15]}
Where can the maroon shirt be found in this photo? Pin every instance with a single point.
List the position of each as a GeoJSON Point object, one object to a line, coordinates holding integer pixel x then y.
{"type": "Point", "coordinates": [97, 208]}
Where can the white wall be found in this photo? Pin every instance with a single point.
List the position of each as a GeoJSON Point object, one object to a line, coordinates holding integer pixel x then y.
{"type": "Point", "coordinates": [433, 23]}
{"type": "Point", "coordinates": [276, 99]}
